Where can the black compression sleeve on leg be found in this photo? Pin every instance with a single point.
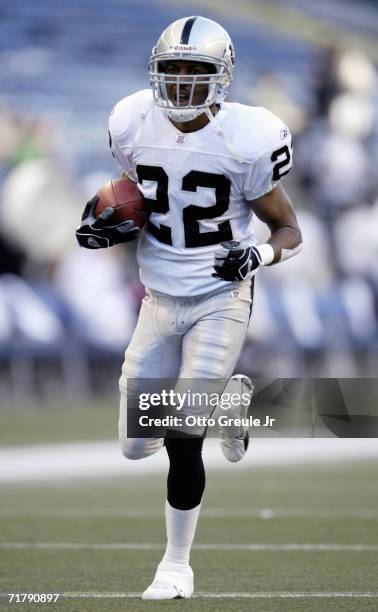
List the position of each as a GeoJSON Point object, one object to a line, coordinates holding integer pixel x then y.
{"type": "Point", "coordinates": [186, 476]}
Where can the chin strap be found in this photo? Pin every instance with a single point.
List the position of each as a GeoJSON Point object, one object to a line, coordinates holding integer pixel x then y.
{"type": "Point", "coordinates": [218, 130]}
{"type": "Point", "coordinates": [171, 110]}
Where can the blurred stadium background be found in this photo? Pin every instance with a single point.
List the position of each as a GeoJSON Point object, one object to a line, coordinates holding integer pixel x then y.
{"type": "Point", "coordinates": [66, 315]}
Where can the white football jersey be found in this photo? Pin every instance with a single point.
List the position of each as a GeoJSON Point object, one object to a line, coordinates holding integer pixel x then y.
{"type": "Point", "coordinates": [195, 188]}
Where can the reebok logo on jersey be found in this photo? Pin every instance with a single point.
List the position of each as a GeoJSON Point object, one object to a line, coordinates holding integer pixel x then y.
{"type": "Point", "coordinates": [284, 133]}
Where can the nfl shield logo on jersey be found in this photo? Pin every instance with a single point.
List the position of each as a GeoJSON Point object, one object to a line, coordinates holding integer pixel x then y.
{"type": "Point", "coordinates": [180, 138]}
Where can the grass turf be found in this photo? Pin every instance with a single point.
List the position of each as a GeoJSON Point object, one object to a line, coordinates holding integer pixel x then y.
{"type": "Point", "coordinates": [92, 511]}
{"type": "Point", "coordinates": [62, 422]}
{"type": "Point", "coordinates": [338, 505]}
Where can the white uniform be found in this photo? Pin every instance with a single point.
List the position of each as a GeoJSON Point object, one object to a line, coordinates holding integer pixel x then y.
{"type": "Point", "coordinates": [195, 188]}
{"type": "Point", "coordinates": [192, 326]}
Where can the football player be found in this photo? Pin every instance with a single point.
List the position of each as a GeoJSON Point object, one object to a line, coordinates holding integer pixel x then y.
{"type": "Point", "coordinates": [205, 167]}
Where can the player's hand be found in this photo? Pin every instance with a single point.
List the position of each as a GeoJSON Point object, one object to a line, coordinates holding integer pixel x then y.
{"type": "Point", "coordinates": [233, 263]}
{"type": "Point", "coordinates": [100, 233]}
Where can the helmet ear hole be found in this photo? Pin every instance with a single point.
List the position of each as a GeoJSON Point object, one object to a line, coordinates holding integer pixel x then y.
{"type": "Point", "coordinates": [232, 55]}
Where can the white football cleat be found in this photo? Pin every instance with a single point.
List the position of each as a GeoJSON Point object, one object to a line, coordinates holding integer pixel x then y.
{"type": "Point", "coordinates": [171, 582]}
{"type": "Point", "coordinates": [235, 438]}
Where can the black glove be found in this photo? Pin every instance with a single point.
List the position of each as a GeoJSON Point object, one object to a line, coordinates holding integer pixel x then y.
{"type": "Point", "coordinates": [233, 263]}
{"type": "Point", "coordinates": [99, 233]}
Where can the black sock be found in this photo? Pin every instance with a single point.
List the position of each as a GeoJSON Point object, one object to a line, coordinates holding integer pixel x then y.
{"type": "Point", "coordinates": [186, 476]}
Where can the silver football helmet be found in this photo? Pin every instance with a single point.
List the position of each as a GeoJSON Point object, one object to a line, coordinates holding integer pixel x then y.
{"type": "Point", "coordinates": [191, 39]}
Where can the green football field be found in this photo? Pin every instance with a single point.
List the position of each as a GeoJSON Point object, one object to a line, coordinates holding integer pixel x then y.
{"type": "Point", "coordinates": [286, 538]}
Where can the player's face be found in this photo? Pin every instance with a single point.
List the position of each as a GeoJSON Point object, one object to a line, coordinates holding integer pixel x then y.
{"type": "Point", "coordinates": [182, 95]}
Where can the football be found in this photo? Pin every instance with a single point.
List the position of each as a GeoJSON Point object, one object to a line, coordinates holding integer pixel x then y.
{"type": "Point", "coordinates": [126, 200]}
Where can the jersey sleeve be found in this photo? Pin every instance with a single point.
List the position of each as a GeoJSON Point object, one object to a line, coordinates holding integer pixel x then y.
{"type": "Point", "coordinates": [274, 161]}
{"type": "Point", "coordinates": [123, 126]}
{"type": "Point", "coordinates": [117, 136]}
{"type": "Point", "coordinates": [114, 148]}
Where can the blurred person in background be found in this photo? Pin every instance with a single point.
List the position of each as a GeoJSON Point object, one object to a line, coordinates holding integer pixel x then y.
{"type": "Point", "coordinates": [204, 167]}
{"type": "Point", "coordinates": [333, 116]}
{"type": "Point", "coordinates": [43, 299]}
{"type": "Point", "coordinates": [23, 154]}
{"type": "Point", "coordinates": [341, 173]}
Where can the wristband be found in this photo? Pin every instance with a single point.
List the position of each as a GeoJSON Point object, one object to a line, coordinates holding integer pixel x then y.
{"type": "Point", "coordinates": [265, 253]}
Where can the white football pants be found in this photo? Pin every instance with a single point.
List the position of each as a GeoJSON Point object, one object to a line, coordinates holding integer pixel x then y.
{"type": "Point", "coordinates": [188, 339]}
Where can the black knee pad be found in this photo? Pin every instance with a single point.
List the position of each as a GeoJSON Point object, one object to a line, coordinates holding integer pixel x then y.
{"type": "Point", "coordinates": [186, 476]}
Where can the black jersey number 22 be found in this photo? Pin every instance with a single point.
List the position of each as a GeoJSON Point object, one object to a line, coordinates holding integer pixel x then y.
{"type": "Point", "coordinates": [191, 214]}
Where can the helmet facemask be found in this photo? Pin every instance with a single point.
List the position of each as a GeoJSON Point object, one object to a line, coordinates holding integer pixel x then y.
{"type": "Point", "coordinates": [194, 40]}
{"type": "Point", "coordinates": [179, 94]}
